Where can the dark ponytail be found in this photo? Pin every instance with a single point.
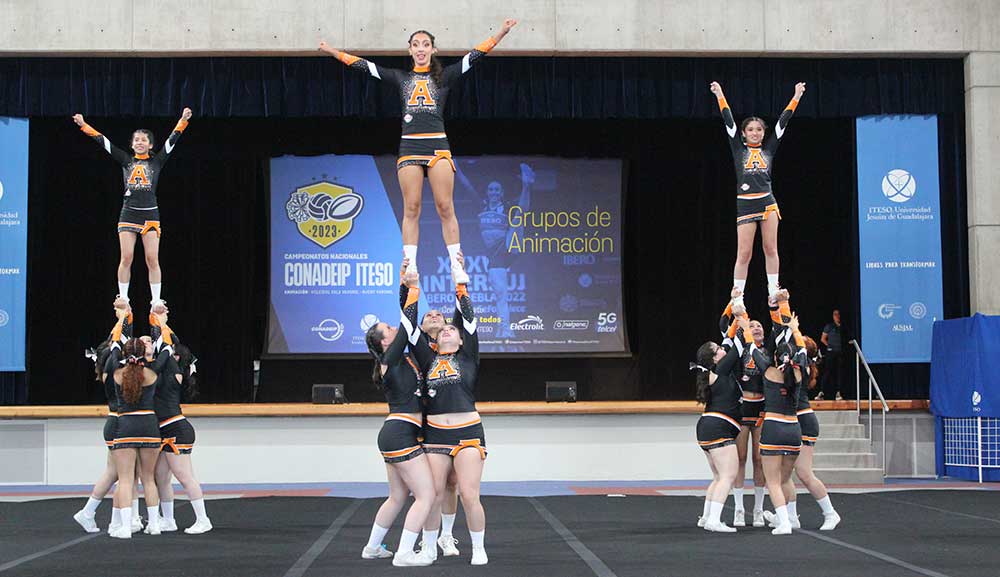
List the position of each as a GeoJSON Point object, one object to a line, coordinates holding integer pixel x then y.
{"type": "Point", "coordinates": [373, 338]}
{"type": "Point", "coordinates": [132, 375]}
{"type": "Point", "coordinates": [705, 363]}
{"type": "Point", "coordinates": [437, 70]}
{"type": "Point", "coordinates": [812, 351]}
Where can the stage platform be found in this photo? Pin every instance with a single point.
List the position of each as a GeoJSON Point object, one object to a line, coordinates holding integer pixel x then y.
{"type": "Point", "coordinates": [945, 533]}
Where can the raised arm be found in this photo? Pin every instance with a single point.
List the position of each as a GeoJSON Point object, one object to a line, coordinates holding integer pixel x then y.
{"type": "Point", "coordinates": [465, 319]}
{"type": "Point", "coordinates": [175, 135]}
{"type": "Point", "coordinates": [409, 331]}
{"type": "Point", "coordinates": [118, 154]}
{"type": "Point", "coordinates": [727, 114]}
{"type": "Point", "coordinates": [454, 71]}
{"type": "Point", "coordinates": [786, 114]}
{"type": "Point", "coordinates": [358, 63]}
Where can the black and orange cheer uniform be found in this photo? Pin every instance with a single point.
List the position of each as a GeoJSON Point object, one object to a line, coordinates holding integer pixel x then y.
{"type": "Point", "coordinates": [781, 433]}
{"type": "Point", "coordinates": [424, 141]}
{"type": "Point", "coordinates": [119, 334]}
{"type": "Point", "coordinates": [720, 422]}
{"type": "Point", "coordinates": [140, 212]}
{"type": "Point", "coordinates": [177, 435]}
{"type": "Point", "coordinates": [451, 385]}
{"type": "Point", "coordinates": [753, 163]}
{"type": "Point", "coordinates": [751, 379]}
{"type": "Point", "coordinates": [138, 427]}
{"type": "Point", "coordinates": [808, 421]}
{"type": "Point", "coordinates": [399, 438]}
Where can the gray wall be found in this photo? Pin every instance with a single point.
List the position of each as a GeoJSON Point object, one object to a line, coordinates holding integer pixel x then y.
{"type": "Point", "coordinates": [910, 443]}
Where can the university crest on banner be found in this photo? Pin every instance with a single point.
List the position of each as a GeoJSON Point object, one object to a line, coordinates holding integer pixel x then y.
{"type": "Point", "coordinates": [324, 212]}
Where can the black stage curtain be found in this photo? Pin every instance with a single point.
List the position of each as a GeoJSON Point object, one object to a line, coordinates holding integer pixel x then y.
{"type": "Point", "coordinates": [521, 87]}
{"type": "Point", "coordinates": [679, 210]}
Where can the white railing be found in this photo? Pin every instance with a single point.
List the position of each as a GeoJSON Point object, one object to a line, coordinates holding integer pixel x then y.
{"type": "Point", "coordinates": [872, 385]}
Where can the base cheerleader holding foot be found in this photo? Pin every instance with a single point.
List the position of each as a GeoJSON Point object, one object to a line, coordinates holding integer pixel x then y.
{"type": "Point", "coordinates": [407, 467]}
{"type": "Point", "coordinates": [718, 371]}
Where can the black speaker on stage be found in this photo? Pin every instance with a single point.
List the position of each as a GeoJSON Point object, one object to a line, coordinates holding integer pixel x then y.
{"type": "Point", "coordinates": [560, 391]}
{"type": "Point", "coordinates": [329, 394]}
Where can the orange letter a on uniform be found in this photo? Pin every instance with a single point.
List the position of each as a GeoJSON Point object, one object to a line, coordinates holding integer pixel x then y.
{"type": "Point", "coordinates": [138, 175]}
{"type": "Point", "coordinates": [421, 95]}
{"type": "Point", "coordinates": [442, 369]}
{"type": "Point", "coordinates": [755, 160]}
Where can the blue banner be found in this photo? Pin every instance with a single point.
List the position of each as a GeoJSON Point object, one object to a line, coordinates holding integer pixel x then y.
{"type": "Point", "coordinates": [899, 233]}
{"type": "Point", "coordinates": [13, 240]}
{"type": "Point", "coordinates": [963, 381]}
{"type": "Point", "coordinates": [541, 238]}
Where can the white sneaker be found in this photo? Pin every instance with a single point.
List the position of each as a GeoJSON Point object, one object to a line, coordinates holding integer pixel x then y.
{"type": "Point", "coordinates": [758, 519]}
{"type": "Point", "coordinates": [168, 525]}
{"type": "Point", "coordinates": [86, 521]}
{"type": "Point", "coordinates": [153, 527]}
{"type": "Point", "coordinates": [448, 545]}
{"type": "Point", "coordinates": [839, 397]}
{"type": "Point", "coordinates": [785, 529]}
{"type": "Point", "coordinates": [136, 523]}
{"type": "Point", "coordinates": [830, 521]}
{"type": "Point", "coordinates": [479, 556]}
{"type": "Point", "coordinates": [120, 533]}
{"type": "Point", "coordinates": [719, 527]}
{"type": "Point", "coordinates": [200, 526]}
{"type": "Point", "coordinates": [701, 521]}
{"type": "Point", "coordinates": [411, 559]}
{"type": "Point", "coordinates": [740, 518]}
{"type": "Point", "coordinates": [771, 518]}
{"type": "Point", "coordinates": [379, 552]}
{"type": "Point", "coordinates": [459, 275]}
{"type": "Point", "coordinates": [796, 524]}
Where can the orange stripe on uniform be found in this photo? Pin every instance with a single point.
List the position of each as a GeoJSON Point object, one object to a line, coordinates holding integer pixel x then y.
{"type": "Point", "coordinates": [346, 58]}
{"type": "Point", "coordinates": [402, 417]}
{"type": "Point", "coordinates": [181, 125]}
{"type": "Point", "coordinates": [401, 452]}
{"type": "Point", "coordinates": [724, 417]}
{"type": "Point", "coordinates": [89, 130]}
{"type": "Point", "coordinates": [412, 296]}
{"type": "Point", "coordinates": [795, 448]}
{"type": "Point", "coordinates": [723, 104]}
{"type": "Point", "coordinates": [792, 105]}
{"type": "Point", "coordinates": [720, 440]}
{"type": "Point", "coordinates": [486, 45]}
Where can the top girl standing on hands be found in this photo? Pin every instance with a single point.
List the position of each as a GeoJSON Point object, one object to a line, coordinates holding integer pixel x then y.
{"type": "Point", "coordinates": [423, 91]}
{"type": "Point", "coordinates": [753, 157]}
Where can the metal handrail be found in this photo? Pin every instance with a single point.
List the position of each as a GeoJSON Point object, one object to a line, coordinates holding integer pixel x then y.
{"type": "Point", "coordinates": [872, 382]}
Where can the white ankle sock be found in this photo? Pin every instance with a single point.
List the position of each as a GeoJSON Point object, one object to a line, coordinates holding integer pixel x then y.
{"type": "Point", "coordinates": [740, 283]}
{"type": "Point", "coordinates": [714, 512]}
{"type": "Point", "coordinates": [154, 287]}
{"type": "Point", "coordinates": [477, 538]}
{"type": "Point", "coordinates": [199, 509]}
{"type": "Point", "coordinates": [123, 290]}
{"type": "Point", "coordinates": [758, 498]}
{"type": "Point", "coordinates": [738, 499]}
{"type": "Point", "coordinates": [772, 284]}
{"type": "Point", "coordinates": [167, 510]}
{"type": "Point", "coordinates": [154, 515]}
{"type": "Point", "coordinates": [135, 505]}
{"type": "Point", "coordinates": [825, 505]}
{"type": "Point", "coordinates": [704, 510]}
{"type": "Point", "coordinates": [91, 507]}
{"type": "Point", "coordinates": [793, 509]}
{"type": "Point", "coordinates": [407, 540]}
{"type": "Point", "coordinates": [447, 522]}
{"type": "Point", "coordinates": [126, 515]}
{"type": "Point", "coordinates": [376, 536]}
{"type": "Point", "coordinates": [116, 516]}
{"type": "Point", "coordinates": [410, 252]}
{"type": "Point", "coordinates": [430, 538]}
{"type": "Point", "coordinates": [782, 513]}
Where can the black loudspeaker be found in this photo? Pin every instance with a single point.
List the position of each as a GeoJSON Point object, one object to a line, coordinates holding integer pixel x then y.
{"type": "Point", "coordinates": [560, 391]}
{"type": "Point", "coordinates": [328, 394]}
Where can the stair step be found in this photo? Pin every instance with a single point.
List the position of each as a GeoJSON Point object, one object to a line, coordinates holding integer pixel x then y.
{"type": "Point", "coordinates": [837, 417]}
{"type": "Point", "coordinates": [842, 476]}
{"type": "Point", "coordinates": [834, 445]}
{"type": "Point", "coordinates": [844, 460]}
{"type": "Point", "coordinates": [841, 431]}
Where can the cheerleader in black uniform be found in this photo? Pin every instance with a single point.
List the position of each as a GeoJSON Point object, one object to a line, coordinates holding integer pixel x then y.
{"type": "Point", "coordinates": [719, 369]}
{"type": "Point", "coordinates": [176, 432]}
{"type": "Point", "coordinates": [140, 213]}
{"type": "Point", "coordinates": [781, 437]}
{"type": "Point", "coordinates": [407, 467]}
{"type": "Point", "coordinates": [121, 332]}
{"type": "Point", "coordinates": [810, 434]}
{"type": "Point", "coordinates": [454, 437]}
{"type": "Point", "coordinates": [753, 157]}
{"type": "Point", "coordinates": [423, 91]}
{"type": "Point", "coordinates": [138, 434]}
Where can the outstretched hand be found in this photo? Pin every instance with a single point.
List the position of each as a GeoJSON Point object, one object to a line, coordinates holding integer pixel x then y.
{"type": "Point", "coordinates": [716, 89]}
{"type": "Point", "coordinates": [508, 24]}
{"type": "Point", "coordinates": [794, 323]}
{"type": "Point", "coordinates": [186, 114]}
{"type": "Point", "coordinates": [78, 119]}
{"type": "Point", "coordinates": [800, 89]}
{"type": "Point", "coordinates": [324, 47]}
{"type": "Point", "coordinates": [411, 279]}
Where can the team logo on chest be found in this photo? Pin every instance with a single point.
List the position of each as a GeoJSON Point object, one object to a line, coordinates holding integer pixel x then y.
{"type": "Point", "coordinates": [420, 95]}
{"type": "Point", "coordinates": [755, 160]}
{"type": "Point", "coordinates": [139, 175]}
{"type": "Point", "coordinates": [444, 368]}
